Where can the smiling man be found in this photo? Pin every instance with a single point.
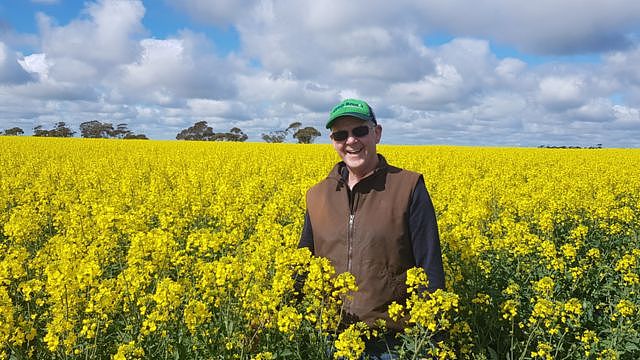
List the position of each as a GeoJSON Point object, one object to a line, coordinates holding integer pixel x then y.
{"type": "Point", "coordinates": [373, 220]}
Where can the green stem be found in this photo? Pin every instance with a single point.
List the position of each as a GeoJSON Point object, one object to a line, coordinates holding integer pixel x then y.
{"type": "Point", "coordinates": [524, 351]}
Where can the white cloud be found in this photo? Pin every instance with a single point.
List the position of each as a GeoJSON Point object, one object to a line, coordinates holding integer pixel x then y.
{"type": "Point", "coordinates": [208, 107]}
{"type": "Point", "coordinates": [36, 64]}
{"type": "Point", "coordinates": [173, 70]}
{"type": "Point", "coordinates": [444, 87]}
{"type": "Point", "coordinates": [103, 37]}
{"type": "Point", "coordinates": [499, 106]}
{"type": "Point", "coordinates": [561, 93]}
{"type": "Point", "coordinates": [262, 87]}
{"type": "Point", "coordinates": [544, 27]}
{"type": "Point", "coordinates": [510, 69]}
{"type": "Point", "coordinates": [49, 91]}
{"type": "Point", "coordinates": [627, 118]}
{"type": "Point", "coordinates": [596, 110]}
{"type": "Point", "coordinates": [160, 66]}
{"type": "Point", "coordinates": [332, 39]}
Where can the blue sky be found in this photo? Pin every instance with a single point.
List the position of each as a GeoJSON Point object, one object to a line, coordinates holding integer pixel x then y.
{"type": "Point", "coordinates": [515, 73]}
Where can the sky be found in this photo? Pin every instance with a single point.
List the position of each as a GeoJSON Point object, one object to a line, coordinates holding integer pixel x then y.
{"type": "Point", "coordinates": [456, 72]}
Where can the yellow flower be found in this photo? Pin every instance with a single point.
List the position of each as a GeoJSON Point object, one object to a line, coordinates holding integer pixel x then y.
{"type": "Point", "coordinates": [509, 309]}
{"type": "Point", "coordinates": [129, 351]}
{"type": "Point", "coordinates": [544, 351]}
{"type": "Point", "coordinates": [349, 344]}
{"type": "Point", "coordinates": [264, 356]}
{"type": "Point", "coordinates": [542, 309]}
{"type": "Point", "coordinates": [627, 267]}
{"type": "Point", "coordinates": [512, 289]}
{"type": "Point", "coordinates": [396, 311]}
{"type": "Point", "coordinates": [195, 315]}
{"type": "Point", "coordinates": [624, 308]}
{"type": "Point", "coordinates": [594, 253]}
{"type": "Point", "coordinates": [608, 354]}
{"type": "Point", "coordinates": [481, 299]}
{"type": "Point", "coordinates": [416, 279]}
{"type": "Point", "coordinates": [569, 251]}
{"type": "Point", "coordinates": [288, 320]}
{"type": "Point", "coordinates": [572, 310]}
{"type": "Point", "coordinates": [544, 286]}
{"type": "Point", "coordinates": [587, 339]}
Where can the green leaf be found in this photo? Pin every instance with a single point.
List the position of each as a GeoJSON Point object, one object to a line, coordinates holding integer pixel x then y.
{"type": "Point", "coordinates": [493, 355]}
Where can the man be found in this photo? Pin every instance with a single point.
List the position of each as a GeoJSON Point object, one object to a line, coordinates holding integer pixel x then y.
{"type": "Point", "coordinates": [371, 219]}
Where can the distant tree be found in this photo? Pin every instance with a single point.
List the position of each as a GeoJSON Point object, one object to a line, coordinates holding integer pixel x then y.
{"type": "Point", "coordinates": [199, 131]}
{"type": "Point", "coordinates": [121, 132]}
{"type": "Point", "coordinates": [306, 135]}
{"type": "Point", "coordinates": [597, 146]}
{"type": "Point", "coordinates": [219, 137]}
{"type": "Point", "coordinates": [135, 137]}
{"type": "Point", "coordinates": [38, 131]}
{"type": "Point", "coordinates": [203, 132]}
{"type": "Point", "coordinates": [60, 130]}
{"type": "Point", "coordinates": [275, 136]}
{"type": "Point", "coordinates": [95, 129]}
{"type": "Point", "coordinates": [279, 136]}
{"type": "Point", "coordinates": [293, 126]}
{"type": "Point", "coordinates": [14, 131]}
{"type": "Point", "coordinates": [235, 134]}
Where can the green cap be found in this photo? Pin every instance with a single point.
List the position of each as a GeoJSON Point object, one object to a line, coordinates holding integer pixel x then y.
{"type": "Point", "coordinates": [352, 107]}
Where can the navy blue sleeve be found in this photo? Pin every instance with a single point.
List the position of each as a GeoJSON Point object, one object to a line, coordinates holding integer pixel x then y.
{"type": "Point", "coordinates": [306, 238]}
{"type": "Point", "coordinates": [425, 239]}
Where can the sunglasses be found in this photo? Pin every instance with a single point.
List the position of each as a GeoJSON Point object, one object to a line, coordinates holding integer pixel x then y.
{"type": "Point", "coordinates": [342, 135]}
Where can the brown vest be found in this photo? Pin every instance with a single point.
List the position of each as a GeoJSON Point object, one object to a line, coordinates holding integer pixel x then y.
{"type": "Point", "coordinates": [370, 240]}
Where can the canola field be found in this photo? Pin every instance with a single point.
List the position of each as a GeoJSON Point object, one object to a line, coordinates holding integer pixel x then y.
{"type": "Point", "coordinates": [115, 249]}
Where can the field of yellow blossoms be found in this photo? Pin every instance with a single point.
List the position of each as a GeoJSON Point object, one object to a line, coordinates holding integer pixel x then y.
{"type": "Point", "coordinates": [166, 249]}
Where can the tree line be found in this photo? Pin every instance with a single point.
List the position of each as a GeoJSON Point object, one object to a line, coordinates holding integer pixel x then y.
{"type": "Point", "coordinates": [89, 129]}
{"type": "Point", "coordinates": [199, 131]}
{"type": "Point", "coordinates": [306, 135]}
{"type": "Point", "coordinates": [597, 146]}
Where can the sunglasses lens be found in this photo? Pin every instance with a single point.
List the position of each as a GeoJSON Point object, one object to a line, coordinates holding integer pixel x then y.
{"type": "Point", "coordinates": [341, 135]}
{"type": "Point", "coordinates": [360, 131]}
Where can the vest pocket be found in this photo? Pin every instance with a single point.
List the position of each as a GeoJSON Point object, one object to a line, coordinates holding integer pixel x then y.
{"type": "Point", "coordinates": [400, 288]}
{"type": "Point", "coordinates": [385, 284]}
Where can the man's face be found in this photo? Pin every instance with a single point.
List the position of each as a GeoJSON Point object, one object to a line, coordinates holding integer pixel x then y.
{"type": "Point", "coordinates": [359, 153]}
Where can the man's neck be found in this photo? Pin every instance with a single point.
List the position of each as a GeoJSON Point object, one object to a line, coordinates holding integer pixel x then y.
{"type": "Point", "coordinates": [355, 177]}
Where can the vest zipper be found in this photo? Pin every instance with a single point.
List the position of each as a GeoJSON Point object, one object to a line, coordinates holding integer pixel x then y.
{"type": "Point", "coordinates": [352, 214]}
{"type": "Point", "coordinates": [350, 242]}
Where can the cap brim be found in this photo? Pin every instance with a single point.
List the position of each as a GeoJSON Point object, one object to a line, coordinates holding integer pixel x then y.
{"type": "Point", "coordinates": [353, 114]}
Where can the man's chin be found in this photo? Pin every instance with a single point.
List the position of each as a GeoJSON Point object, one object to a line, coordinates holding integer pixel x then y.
{"type": "Point", "coordinates": [353, 161]}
